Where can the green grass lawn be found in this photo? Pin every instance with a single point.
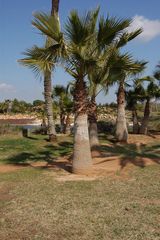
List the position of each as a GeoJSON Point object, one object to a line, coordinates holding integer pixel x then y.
{"type": "Point", "coordinates": [35, 206]}
{"type": "Point", "coordinates": [19, 150]}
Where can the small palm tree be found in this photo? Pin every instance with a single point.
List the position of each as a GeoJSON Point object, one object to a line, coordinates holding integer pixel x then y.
{"type": "Point", "coordinates": [65, 103]}
{"type": "Point", "coordinates": [132, 98]}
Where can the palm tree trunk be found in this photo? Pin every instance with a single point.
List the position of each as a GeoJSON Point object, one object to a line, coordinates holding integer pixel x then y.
{"type": "Point", "coordinates": [121, 125]}
{"type": "Point", "coordinates": [55, 7]}
{"type": "Point", "coordinates": [145, 120]}
{"type": "Point", "coordinates": [92, 117]}
{"type": "Point", "coordinates": [62, 120]}
{"type": "Point", "coordinates": [48, 89]}
{"type": "Point", "coordinates": [49, 106]}
{"type": "Point", "coordinates": [135, 121]}
{"type": "Point", "coordinates": [67, 129]}
{"type": "Point", "coordinates": [82, 160]}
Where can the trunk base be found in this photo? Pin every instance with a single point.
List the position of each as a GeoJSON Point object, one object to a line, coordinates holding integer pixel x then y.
{"type": "Point", "coordinates": [82, 171]}
{"type": "Point", "coordinates": [82, 160]}
{"type": "Point", "coordinates": [96, 151]}
{"type": "Point", "coordinates": [52, 138]}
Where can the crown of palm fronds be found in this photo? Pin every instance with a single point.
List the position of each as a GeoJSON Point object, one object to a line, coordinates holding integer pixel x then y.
{"type": "Point", "coordinates": [38, 59]}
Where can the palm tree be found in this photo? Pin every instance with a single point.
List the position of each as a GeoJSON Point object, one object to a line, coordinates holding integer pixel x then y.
{"type": "Point", "coordinates": [83, 44]}
{"type": "Point", "coordinates": [48, 84]}
{"type": "Point", "coordinates": [42, 60]}
{"type": "Point", "coordinates": [157, 73]}
{"type": "Point", "coordinates": [125, 68]}
{"type": "Point", "coordinates": [112, 36]}
{"type": "Point", "coordinates": [64, 101]}
{"type": "Point", "coordinates": [131, 98]}
{"type": "Point", "coordinates": [152, 91]}
{"type": "Point", "coordinates": [87, 47]}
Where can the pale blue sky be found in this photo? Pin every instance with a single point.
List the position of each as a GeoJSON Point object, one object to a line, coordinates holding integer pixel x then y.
{"type": "Point", "coordinates": [17, 34]}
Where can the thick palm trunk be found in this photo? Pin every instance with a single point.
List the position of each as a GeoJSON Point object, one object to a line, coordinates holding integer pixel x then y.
{"type": "Point", "coordinates": [49, 106]}
{"type": "Point", "coordinates": [121, 125]}
{"type": "Point", "coordinates": [92, 117]}
{"type": "Point", "coordinates": [82, 160]}
{"type": "Point", "coordinates": [145, 121]}
{"type": "Point", "coordinates": [135, 121]}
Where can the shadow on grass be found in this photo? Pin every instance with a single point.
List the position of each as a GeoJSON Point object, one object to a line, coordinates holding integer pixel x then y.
{"type": "Point", "coordinates": [49, 154]}
{"type": "Point", "coordinates": [59, 155]}
{"type": "Point", "coordinates": [32, 138]}
{"type": "Point", "coordinates": [132, 153]}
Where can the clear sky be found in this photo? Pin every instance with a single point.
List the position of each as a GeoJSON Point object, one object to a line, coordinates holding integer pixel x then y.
{"type": "Point", "coordinates": [17, 34]}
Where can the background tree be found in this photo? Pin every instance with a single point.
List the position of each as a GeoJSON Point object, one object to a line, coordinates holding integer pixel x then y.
{"type": "Point", "coordinates": [64, 101]}
{"type": "Point", "coordinates": [150, 92]}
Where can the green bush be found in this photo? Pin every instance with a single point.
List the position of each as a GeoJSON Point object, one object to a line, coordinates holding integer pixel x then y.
{"type": "Point", "coordinates": [104, 127]}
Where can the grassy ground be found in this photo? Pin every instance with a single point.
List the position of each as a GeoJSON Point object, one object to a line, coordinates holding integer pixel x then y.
{"type": "Point", "coordinates": [19, 150]}
{"type": "Point", "coordinates": [35, 206]}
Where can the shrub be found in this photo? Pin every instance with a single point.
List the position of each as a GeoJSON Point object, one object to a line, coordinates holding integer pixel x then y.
{"type": "Point", "coordinates": [104, 127]}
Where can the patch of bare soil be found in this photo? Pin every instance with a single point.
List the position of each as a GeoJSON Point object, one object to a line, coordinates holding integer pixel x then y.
{"type": "Point", "coordinates": [10, 168]}
{"type": "Point", "coordinates": [142, 139]}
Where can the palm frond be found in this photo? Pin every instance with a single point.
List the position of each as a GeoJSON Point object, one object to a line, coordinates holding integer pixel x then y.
{"type": "Point", "coordinates": [126, 37]}
{"type": "Point", "coordinates": [111, 28]}
{"type": "Point", "coordinates": [48, 25]}
{"type": "Point", "coordinates": [39, 60]}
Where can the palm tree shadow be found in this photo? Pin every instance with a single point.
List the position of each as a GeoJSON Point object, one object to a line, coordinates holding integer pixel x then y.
{"type": "Point", "coordinates": [133, 153]}
{"type": "Point", "coordinates": [50, 155]}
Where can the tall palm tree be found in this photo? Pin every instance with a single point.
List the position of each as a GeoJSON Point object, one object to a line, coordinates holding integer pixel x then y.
{"type": "Point", "coordinates": [48, 84]}
{"type": "Point", "coordinates": [43, 59]}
